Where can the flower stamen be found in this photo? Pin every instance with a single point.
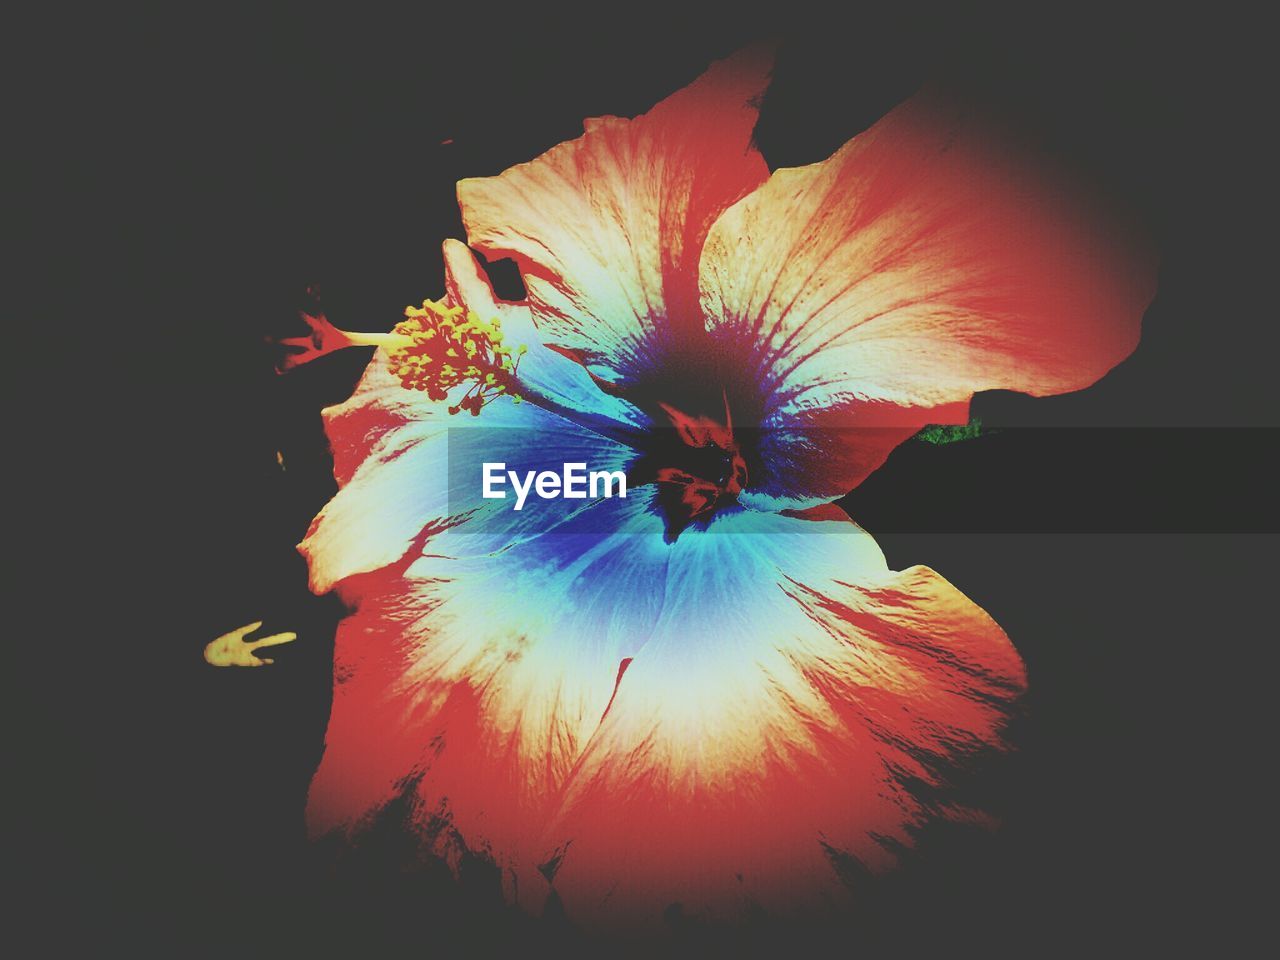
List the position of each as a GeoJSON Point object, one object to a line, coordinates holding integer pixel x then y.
{"type": "Point", "coordinates": [442, 347]}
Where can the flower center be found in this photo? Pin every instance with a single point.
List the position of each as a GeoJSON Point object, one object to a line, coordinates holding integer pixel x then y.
{"type": "Point", "coordinates": [697, 464]}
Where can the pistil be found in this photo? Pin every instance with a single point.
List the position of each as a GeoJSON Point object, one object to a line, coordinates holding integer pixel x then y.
{"type": "Point", "coordinates": [436, 348]}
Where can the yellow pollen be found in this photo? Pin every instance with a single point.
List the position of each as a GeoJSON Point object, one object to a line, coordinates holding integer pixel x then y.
{"type": "Point", "coordinates": [490, 367]}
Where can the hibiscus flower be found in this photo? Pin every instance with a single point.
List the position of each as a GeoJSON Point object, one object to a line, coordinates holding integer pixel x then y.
{"type": "Point", "coordinates": [712, 692]}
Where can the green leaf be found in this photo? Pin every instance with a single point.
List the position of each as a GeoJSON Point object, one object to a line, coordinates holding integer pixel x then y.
{"type": "Point", "coordinates": [938, 433]}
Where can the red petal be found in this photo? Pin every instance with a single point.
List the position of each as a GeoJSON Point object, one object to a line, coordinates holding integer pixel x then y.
{"type": "Point", "coordinates": [792, 714]}
{"type": "Point", "coordinates": [608, 228]}
{"type": "Point", "coordinates": [924, 261]}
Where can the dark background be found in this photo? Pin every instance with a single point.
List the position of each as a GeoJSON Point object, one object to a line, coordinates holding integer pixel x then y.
{"type": "Point", "coordinates": [182, 177]}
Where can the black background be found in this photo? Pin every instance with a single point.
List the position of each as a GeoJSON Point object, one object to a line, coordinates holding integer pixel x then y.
{"type": "Point", "coordinates": [189, 174]}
